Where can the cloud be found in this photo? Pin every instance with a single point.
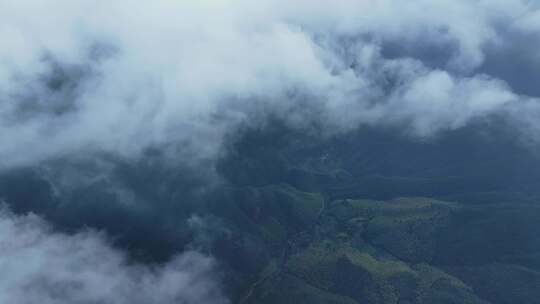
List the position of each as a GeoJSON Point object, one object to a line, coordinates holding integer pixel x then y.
{"type": "Point", "coordinates": [94, 76]}
{"type": "Point", "coordinates": [438, 100]}
{"type": "Point", "coordinates": [79, 78]}
{"type": "Point", "coordinates": [49, 267]}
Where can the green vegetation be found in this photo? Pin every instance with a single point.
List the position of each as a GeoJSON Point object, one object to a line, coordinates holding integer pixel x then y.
{"type": "Point", "coordinates": [403, 250]}
{"type": "Point", "coordinates": [288, 289]}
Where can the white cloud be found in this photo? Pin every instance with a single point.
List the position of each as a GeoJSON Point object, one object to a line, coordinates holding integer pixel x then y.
{"type": "Point", "coordinates": [188, 72]}
{"type": "Point", "coordinates": [42, 266]}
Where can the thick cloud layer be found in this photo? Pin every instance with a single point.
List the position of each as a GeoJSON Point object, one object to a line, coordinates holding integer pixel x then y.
{"type": "Point", "coordinates": [121, 77]}
{"type": "Point", "coordinates": [41, 266]}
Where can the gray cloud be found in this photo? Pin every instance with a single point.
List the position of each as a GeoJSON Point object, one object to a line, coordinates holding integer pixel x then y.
{"type": "Point", "coordinates": [41, 266]}
{"type": "Point", "coordinates": [111, 76]}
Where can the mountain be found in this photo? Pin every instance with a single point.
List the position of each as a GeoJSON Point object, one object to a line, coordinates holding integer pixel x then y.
{"type": "Point", "coordinates": [369, 217]}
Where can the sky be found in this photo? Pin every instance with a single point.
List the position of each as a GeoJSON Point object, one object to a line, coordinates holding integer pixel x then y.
{"type": "Point", "coordinates": [121, 77]}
